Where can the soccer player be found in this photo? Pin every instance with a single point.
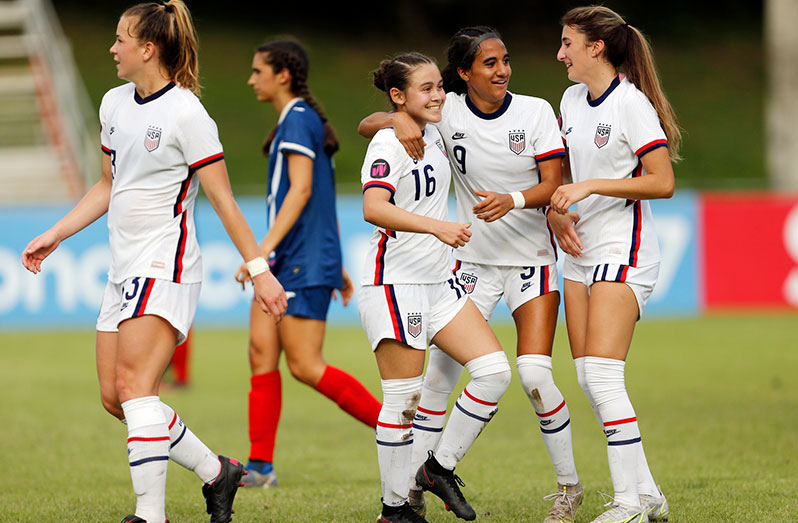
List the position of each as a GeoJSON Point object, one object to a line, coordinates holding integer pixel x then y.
{"type": "Point", "coordinates": [159, 144]}
{"type": "Point", "coordinates": [621, 134]}
{"type": "Point", "coordinates": [506, 154]}
{"type": "Point", "coordinates": [408, 298]}
{"type": "Point", "coordinates": [304, 250]}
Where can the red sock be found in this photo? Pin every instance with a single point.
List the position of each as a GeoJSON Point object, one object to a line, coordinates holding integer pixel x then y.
{"type": "Point", "coordinates": [179, 362]}
{"type": "Point", "coordinates": [350, 395]}
{"type": "Point", "coordinates": [265, 403]}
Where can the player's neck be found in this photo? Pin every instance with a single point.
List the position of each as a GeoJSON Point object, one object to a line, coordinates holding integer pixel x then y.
{"type": "Point", "coordinates": [282, 99]}
{"type": "Point", "coordinates": [600, 81]}
{"type": "Point", "coordinates": [151, 83]}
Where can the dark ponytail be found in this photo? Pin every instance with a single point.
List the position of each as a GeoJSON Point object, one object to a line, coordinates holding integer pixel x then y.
{"type": "Point", "coordinates": [288, 54]}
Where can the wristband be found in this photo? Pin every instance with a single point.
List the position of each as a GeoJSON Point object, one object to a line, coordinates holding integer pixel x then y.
{"type": "Point", "coordinates": [518, 200]}
{"type": "Point", "coordinates": [257, 266]}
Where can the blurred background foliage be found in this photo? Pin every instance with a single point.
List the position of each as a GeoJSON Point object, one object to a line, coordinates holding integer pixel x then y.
{"type": "Point", "coordinates": [711, 61]}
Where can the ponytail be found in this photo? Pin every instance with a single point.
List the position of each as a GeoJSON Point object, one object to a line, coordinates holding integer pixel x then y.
{"type": "Point", "coordinates": [170, 28]}
{"type": "Point", "coordinates": [626, 48]}
{"type": "Point", "coordinates": [288, 54]}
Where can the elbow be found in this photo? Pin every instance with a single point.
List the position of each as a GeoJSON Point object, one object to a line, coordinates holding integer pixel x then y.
{"type": "Point", "coordinates": [668, 189]}
{"type": "Point", "coordinates": [368, 214]}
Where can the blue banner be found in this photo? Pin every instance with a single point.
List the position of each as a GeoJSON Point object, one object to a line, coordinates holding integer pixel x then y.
{"type": "Point", "coordinates": [69, 290]}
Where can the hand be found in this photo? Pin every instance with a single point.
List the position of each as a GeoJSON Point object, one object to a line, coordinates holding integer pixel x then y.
{"type": "Point", "coordinates": [566, 195]}
{"type": "Point", "coordinates": [562, 225]}
{"type": "Point", "coordinates": [242, 276]}
{"type": "Point", "coordinates": [409, 135]}
{"type": "Point", "coordinates": [493, 206]}
{"type": "Point", "coordinates": [346, 291]}
{"type": "Point", "coordinates": [453, 234]}
{"type": "Point", "coordinates": [270, 295]}
{"type": "Point", "coordinates": [38, 249]}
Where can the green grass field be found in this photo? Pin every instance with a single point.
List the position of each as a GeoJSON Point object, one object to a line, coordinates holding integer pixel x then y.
{"type": "Point", "coordinates": [717, 400]}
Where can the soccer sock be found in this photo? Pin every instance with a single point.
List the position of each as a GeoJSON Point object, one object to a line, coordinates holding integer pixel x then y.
{"type": "Point", "coordinates": [395, 437]}
{"type": "Point", "coordinates": [350, 395]}
{"type": "Point", "coordinates": [148, 454]}
{"type": "Point", "coordinates": [580, 377]}
{"type": "Point", "coordinates": [605, 379]}
{"type": "Point", "coordinates": [474, 408]}
{"type": "Point", "coordinates": [265, 404]}
{"type": "Point", "coordinates": [440, 380]}
{"type": "Point", "coordinates": [187, 450]}
{"type": "Point", "coordinates": [552, 412]}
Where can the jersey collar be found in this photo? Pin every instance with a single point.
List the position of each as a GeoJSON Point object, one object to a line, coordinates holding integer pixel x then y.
{"type": "Point", "coordinates": [290, 105]}
{"type": "Point", "coordinates": [595, 103]}
{"type": "Point", "coordinates": [153, 96]}
{"type": "Point", "coordinates": [490, 116]}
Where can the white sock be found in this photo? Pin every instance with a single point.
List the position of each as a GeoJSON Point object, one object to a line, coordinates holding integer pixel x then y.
{"type": "Point", "coordinates": [148, 454]}
{"type": "Point", "coordinates": [490, 377]}
{"type": "Point", "coordinates": [440, 380]}
{"type": "Point", "coordinates": [187, 450]}
{"type": "Point", "coordinates": [552, 412]}
{"type": "Point", "coordinates": [605, 379]}
{"type": "Point", "coordinates": [580, 377]}
{"type": "Point", "coordinates": [645, 481]}
{"type": "Point", "coordinates": [395, 437]}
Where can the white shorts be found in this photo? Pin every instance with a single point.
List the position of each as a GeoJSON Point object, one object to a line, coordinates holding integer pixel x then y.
{"type": "Point", "coordinates": [640, 279]}
{"type": "Point", "coordinates": [410, 313]}
{"type": "Point", "coordinates": [486, 284]}
{"type": "Point", "coordinates": [134, 297]}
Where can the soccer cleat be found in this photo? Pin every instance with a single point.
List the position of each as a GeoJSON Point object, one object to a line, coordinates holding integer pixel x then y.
{"type": "Point", "coordinates": [656, 508]}
{"type": "Point", "coordinates": [444, 484]}
{"type": "Point", "coordinates": [132, 518]}
{"type": "Point", "coordinates": [416, 500]}
{"type": "Point", "coordinates": [259, 476]}
{"type": "Point", "coordinates": [220, 493]}
{"type": "Point", "coordinates": [401, 514]}
{"type": "Point", "coordinates": [566, 500]}
{"type": "Point", "coordinates": [621, 514]}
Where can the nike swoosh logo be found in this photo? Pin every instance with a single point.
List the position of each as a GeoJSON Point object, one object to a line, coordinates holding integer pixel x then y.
{"type": "Point", "coordinates": [458, 136]}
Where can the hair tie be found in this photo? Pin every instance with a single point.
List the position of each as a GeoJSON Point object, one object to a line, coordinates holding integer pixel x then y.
{"type": "Point", "coordinates": [169, 8]}
{"type": "Point", "coordinates": [481, 38]}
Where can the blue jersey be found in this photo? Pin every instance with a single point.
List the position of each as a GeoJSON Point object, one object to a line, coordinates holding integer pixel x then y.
{"type": "Point", "coordinates": [310, 254]}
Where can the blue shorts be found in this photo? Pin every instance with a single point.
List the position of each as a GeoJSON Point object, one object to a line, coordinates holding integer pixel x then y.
{"type": "Point", "coordinates": [310, 302]}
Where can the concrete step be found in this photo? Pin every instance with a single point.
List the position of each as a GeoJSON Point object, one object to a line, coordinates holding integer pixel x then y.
{"type": "Point", "coordinates": [12, 16]}
{"type": "Point", "coordinates": [13, 47]}
{"type": "Point", "coordinates": [31, 174]}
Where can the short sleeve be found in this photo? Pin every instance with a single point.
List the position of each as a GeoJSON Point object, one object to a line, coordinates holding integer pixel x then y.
{"type": "Point", "coordinates": [198, 137]}
{"type": "Point", "coordinates": [105, 136]}
{"type": "Point", "coordinates": [385, 163]}
{"type": "Point", "coordinates": [297, 133]}
{"type": "Point", "coordinates": [547, 140]}
{"type": "Point", "coordinates": [641, 125]}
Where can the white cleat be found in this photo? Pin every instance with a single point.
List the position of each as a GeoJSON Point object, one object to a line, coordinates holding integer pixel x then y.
{"type": "Point", "coordinates": [656, 508]}
{"type": "Point", "coordinates": [622, 514]}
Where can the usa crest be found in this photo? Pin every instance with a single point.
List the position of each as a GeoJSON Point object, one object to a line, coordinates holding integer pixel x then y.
{"type": "Point", "coordinates": [380, 169]}
{"type": "Point", "coordinates": [602, 135]}
{"type": "Point", "coordinates": [414, 324]}
{"type": "Point", "coordinates": [517, 141]}
{"type": "Point", "coordinates": [468, 281]}
{"type": "Point", "coordinates": [153, 138]}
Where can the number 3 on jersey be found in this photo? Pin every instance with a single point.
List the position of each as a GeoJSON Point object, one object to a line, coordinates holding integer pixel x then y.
{"type": "Point", "coordinates": [429, 182]}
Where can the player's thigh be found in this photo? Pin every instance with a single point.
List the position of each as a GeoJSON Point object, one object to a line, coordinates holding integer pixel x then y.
{"type": "Point", "coordinates": [397, 360]}
{"type": "Point", "coordinates": [145, 345]}
{"type": "Point", "coordinates": [482, 283]}
{"type": "Point", "coordinates": [467, 335]}
{"type": "Point", "coordinates": [611, 317]}
{"type": "Point", "coordinates": [576, 295]}
{"type": "Point", "coordinates": [535, 323]}
{"type": "Point", "coordinates": [106, 354]}
{"type": "Point", "coordinates": [264, 341]}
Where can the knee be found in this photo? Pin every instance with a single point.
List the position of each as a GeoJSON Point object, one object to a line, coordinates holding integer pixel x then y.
{"type": "Point", "coordinates": [604, 376]}
{"type": "Point", "coordinates": [534, 371]}
{"type": "Point", "coordinates": [112, 405]}
{"type": "Point", "coordinates": [491, 371]}
{"type": "Point", "coordinates": [308, 372]}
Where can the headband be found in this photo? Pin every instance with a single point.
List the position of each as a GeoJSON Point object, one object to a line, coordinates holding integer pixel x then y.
{"type": "Point", "coordinates": [481, 38]}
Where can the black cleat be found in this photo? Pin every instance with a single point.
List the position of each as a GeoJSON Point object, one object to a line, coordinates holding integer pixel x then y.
{"type": "Point", "coordinates": [132, 518]}
{"type": "Point", "coordinates": [444, 484]}
{"type": "Point", "coordinates": [219, 494]}
{"type": "Point", "coordinates": [400, 514]}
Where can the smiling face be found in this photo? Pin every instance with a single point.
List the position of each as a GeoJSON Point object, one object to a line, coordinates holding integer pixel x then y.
{"type": "Point", "coordinates": [127, 52]}
{"type": "Point", "coordinates": [577, 54]}
{"type": "Point", "coordinates": [489, 73]}
{"type": "Point", "coordinates": [424, 97]}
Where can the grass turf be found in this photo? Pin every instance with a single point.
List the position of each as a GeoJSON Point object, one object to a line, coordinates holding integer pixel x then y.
{"type": "Point", "coordinates": [716, 397]}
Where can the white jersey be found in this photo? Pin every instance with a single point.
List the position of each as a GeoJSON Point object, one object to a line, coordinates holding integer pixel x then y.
{"type": "Point", "coordinates": [156, 145]}
{"type": "Point", "coordinates": [417, 187]}
{"type": "Point", "coordinates": [606, 138]}
{"type": "Point", "coordinates": [500, 152]}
